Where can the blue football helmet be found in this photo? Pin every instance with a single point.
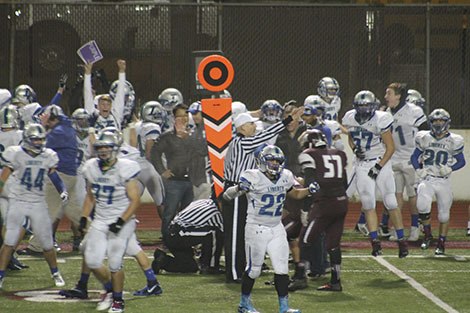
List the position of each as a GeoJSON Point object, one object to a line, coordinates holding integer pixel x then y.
{"type": "Point", "coordinates": [272, 111]}
{"type": "Point", "coordinates": [416, 98]}
{"type": "Point", "coordinates": [9, 117]}
{"type": "Point", "coordinates": [153, 112]}
{"type": "Point", "coordinates": [170, 98]}
{"type": "Point", "coordinates": [439, 121]}
{"type": "Point", "coordinates": [365, 104]}
{"type": "Point", "coordinates": [328, 88]}
{"type": "Point", "coordinates": [271, 160]}
{"type": "Point", "coordinates": [34, 138]}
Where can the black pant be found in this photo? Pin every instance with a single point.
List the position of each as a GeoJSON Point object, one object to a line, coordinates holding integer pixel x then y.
{"type": "Point", "coordinates": [182, 249]}
{"type": "Point", "coordinates": [234, 229]}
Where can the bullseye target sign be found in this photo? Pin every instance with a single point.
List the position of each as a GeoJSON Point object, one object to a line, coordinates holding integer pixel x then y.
{"type": "Point", "coordinates": [215, 73]}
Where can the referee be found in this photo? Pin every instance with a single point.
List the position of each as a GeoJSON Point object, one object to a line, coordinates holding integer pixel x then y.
{"type": "Point", "coordinates": [240, 157]}
{"type": "Point", "coordinates": [199, 223]}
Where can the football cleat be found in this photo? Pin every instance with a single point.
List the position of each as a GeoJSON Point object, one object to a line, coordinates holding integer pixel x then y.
{"type": "Point", "coordinates": [298, 284]}
{"type": "Point", "coordinates": [75, 293]}
{"type": "Point", "coordinates": [117, 306]}
{"type": "Point", "coordinates": [362, 228]}
{"type": "Point", "coordinates": [159, 257]}
{"type": "Point", "coordinates": [384, 232]}
{"type": "Point", "coordinates": [440, 249]}
{"type": "Point", "coordinates": [16, 265]}
{"type": "Point", "coordinates": [58, 280]}
{"type": "Point", "coordinates": [1, 282]}
{"type": "Point", "coordinates": [426, 242]}
{"type": "Point", "coordinates": [105, 302]}
{"type": "Point", "coordinates": [331, 287]}
{"type": "Point", "coordinates": [468, 232]}
{"type": "Point", "coordinates": [376, 247]}
{"type": "Point", "coordinates": [402, 249]}
{"type": "Point", "coordinates": [414, 233]}
{"type": "Point", "coordinates": [393, 235]}
{"type": "Point", "coordinates": [154, 290]}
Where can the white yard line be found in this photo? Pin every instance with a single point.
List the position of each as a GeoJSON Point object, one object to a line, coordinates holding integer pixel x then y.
{"type": "Point", "coordinates": [416, 285]}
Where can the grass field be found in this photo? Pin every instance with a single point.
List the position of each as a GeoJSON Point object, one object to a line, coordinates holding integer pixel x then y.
{"type": "Point", "coordinates": [419, 283]}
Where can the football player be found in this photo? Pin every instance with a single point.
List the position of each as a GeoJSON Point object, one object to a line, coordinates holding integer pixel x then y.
{"type": "Point", "coordinates": [328, 90]}
{"type": "Point", "coordinates": [169, 99]}
{"type": "Point", "coordinates": [371, 140]}
{"type": "Point", "coordinates": [438, 153]}
{"type": "Point", "coordinates": [129, 101]}
{"type": "Point", "coordinates": [266, 188]}
{"type": "Point", "coordinates": [153, 118]}
{"type": "Point", "coordinates": [28, 165]}
{"type": "Point", "coordinates": [407, 117]}
{"type": "Point", "coordinates": [113, 192]}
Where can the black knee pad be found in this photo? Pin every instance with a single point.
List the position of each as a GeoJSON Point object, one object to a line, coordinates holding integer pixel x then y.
{"type": "Point", "coordinates": [424, 216]}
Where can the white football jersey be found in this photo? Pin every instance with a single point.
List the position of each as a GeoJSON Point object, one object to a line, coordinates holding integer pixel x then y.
{"type": "Point", "coordinates": [405, 126]}
{"type": "Point", "coordinates": [109, 187]}
{"type": "Point", "coordinates": [333, 126]}
{"type": "Point", "coordinates": [266, 197]}
{"type": "Point", "coordinates": [368, 135]}
{"type": "Point", "coordinates": [83, 152]}
{"type": "Point", "coordinates": [437, 152]}
{"type": "Point", "coordinates": [332, 109]}
{"type": "Point", "coordinates": [148, 131]}
{"type": "Point", "coordinates": [29, 173]}
{"type": "Point", "coordinates": [128, 152]}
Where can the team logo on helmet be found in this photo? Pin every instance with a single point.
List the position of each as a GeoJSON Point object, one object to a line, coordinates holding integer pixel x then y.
{"type": "Point", "coordinates": [153, 112]}
{"type": "Point", "coordinates": [170, 98]}
{"type": "Point", "coordinates": [9, 117]}
{"type": "Point", "coordinates": [107, 144]}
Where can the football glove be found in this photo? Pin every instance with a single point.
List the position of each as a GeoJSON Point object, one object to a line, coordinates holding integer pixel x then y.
{"type": "Point", "coordinates": [445, 170]}
{"type": "Point", "coordinates": [63, 80]}
{"type": "Point", "coordinates": [360, 155]}
{"type": "Point", "coordinates": [116, 226]}
{"type": "Point", "coordinates": [64, 196]}
{"type": "Point", "coordinates": [313, 187]}
{"type": "Point", "coordinates": [421, 173]}
{"type": "Point", "coordinates": [374, 171]}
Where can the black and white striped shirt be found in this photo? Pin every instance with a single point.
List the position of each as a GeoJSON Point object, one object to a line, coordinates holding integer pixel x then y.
{"type": "Point", "coordinates": [199, 218]}
{"type": "Point", "coordinates": [240, 156]}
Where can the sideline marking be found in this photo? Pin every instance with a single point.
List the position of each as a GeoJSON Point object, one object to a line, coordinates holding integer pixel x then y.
{"type": "Point", "coordinates": [416, 285]}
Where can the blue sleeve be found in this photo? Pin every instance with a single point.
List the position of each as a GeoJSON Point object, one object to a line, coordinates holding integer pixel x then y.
{"type": "Point", "coordinates": [56, 99]}
{"type": "Point", "coordinates": [415, 158]}
{"type": "Point", "coordinates": [460, 158]}
{"type": "Point", "coordinates": [58, 183]}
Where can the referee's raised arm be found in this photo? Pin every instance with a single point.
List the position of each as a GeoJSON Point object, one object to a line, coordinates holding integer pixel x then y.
{"type": "Point", "coordinates": [240, 157]}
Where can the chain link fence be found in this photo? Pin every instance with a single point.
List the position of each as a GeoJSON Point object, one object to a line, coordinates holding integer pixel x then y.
{"type": "Point", "coordinates": [278, 51]}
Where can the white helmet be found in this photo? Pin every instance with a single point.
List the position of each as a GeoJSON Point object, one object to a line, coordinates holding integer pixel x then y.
{"type": "Point", "coordinates": [9, 117]}
{"type": "Point", "coordinates": [31, 134]}
{"type": "Point", "coordinates": [169, 98]}
{"type": "Point", "coordinates": [328, 88]}
{"type": "Point", "coordinates": [24, 94]}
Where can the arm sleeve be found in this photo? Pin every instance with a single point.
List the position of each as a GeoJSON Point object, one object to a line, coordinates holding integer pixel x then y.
{"type": "Point", "coordinates": [118, 102]}
{"type": "Point", "coordinates": [56, 99]}
{"type": "Point", "coordinates": [58, 183]}
{"type": "Point", "coordinates": [88, 94]}
{"type": "Point", "coordinates": [460, 161]}
{"type": "Point", "coordinates": [415, 158]}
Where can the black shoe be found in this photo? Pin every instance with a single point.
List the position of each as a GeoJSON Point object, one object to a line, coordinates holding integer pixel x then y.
{"type": "Point", "coordinates": [384, 232]}
{"type": "Point", "coordinates": [331, 287]}
{"type": "Point", "coordinates": [426, 242]}
{"type": "Point", "coordinates": [376, 247]}
{"type": "Point", "coordinates": [440, 249]}
{"type": "Point", "coordinates": [159, 256]}
{"type": "Point", "coordinates": [76, 243]}
{"type": "Point", "coordinates": [28, 251]}
{"type": "Point", "coordinates": [298, 284]}
{"type": "Point", "coordinates": [208, 270]}
{"type": "Point", "coordinates": [78, 293]}
{"type": "Point", "coordinates": [402, 249]}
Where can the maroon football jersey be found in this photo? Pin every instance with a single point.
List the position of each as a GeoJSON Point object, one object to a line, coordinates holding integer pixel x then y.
{"type": "Point", "coordinates": [330, 171]}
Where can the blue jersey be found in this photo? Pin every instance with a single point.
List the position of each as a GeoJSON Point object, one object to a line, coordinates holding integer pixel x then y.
{"type": "Point", "coordinates": [62, 139]}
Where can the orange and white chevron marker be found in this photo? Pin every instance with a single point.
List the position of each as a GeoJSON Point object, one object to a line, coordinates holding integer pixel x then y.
{"type": "Point", "coordinates": [217, 114]}
{"type": "Point", "coordinates": [215, 73]}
